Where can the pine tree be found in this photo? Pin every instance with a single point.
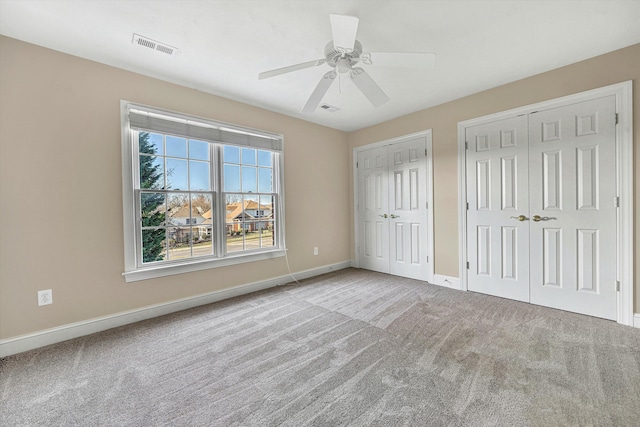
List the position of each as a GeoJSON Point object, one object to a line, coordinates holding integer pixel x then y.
{"type": "Point", "coordinates": [151, 176]}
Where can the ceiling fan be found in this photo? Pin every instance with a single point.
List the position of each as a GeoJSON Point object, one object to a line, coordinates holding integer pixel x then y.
{"type": "Point", "coordinates": [342, 53]}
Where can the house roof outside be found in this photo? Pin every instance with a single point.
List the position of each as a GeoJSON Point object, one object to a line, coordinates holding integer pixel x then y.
{"type": "Point", "coordinates": [235, 210]}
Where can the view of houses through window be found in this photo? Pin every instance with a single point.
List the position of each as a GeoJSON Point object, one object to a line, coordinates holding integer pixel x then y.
{"type": "Point", "coordinates": [177, 195]}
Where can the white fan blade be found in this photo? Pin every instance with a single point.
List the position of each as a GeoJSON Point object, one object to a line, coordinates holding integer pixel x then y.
{"type": "Point", "coordinates": [400, 59]}
{"type": "Point", "coordinates": [319, 92]}
{"type": "Point", "coordinates": [343, 29]}
{"type": "Point", "coordinates": [290, 68]}
{"type": "Point", "coordinates": [368, 87]}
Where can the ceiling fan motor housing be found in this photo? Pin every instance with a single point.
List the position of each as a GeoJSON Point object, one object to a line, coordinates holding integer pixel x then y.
{"type": "Point", "coordinates": [341, 60]}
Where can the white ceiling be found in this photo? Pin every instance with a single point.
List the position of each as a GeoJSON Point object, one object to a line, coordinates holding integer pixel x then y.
{"type": "Point", "coordinates": [223, 45]}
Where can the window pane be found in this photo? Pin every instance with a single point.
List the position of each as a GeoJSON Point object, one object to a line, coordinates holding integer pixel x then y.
{"type": "Point", "coordinates": [235, 237]}
{"type": "Point", "coordinates": [264, 158]}
{"type": "Point", "coordinates": [231, 154]}
{"type": "Point", "coordinates": [234, 208]}
{"type": "Point", "coordinates": [152, 207]}
{"type": "Point", "coordinates": [248, 156]}
{"type": "Point", "coordinates": [151, 172]}
{"type": "Point", "coordinates": [231, 178]}
{"type": "Point", "coordinates": [202, 241]}
{"type": "Point", "coordinates": [176, 147]}
{"type": "Point", "coordinates": [234, 218]}
{"type": "Point", "coordinates": [179, 242]}
{"type": "Point", "coordinates": [177, 174]}
{"type": "Point", "coordinates": [150, 143]}
{"type": "Point", "coordinates": [179, 212]}
{"type": "Point", "coordinates": [266, 205]}
{"type": "Point", "coordinates": [267, 239]}
{"type": "Point", "coordinates": [199, 176]}
{"type": "Point", "coordinates": [198, 150]}
{"type": "Point", "coordinates": [265, 180]}
{"type": "Point", "coordinates": [249, 180]}
{"type": "Point", "coordinates": [251, 235]}
{"type": "Point", "coordinates": [153, 245]}
{"type": "Point", "coordinates": [201, 209]}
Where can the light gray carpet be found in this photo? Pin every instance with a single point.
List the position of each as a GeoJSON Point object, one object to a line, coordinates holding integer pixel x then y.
{"type": "Point", "coordinates": [348, 348]}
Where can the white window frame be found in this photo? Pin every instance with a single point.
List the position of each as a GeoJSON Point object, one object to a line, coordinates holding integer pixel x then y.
{"type": "Point", "coordinates": [227, 134]}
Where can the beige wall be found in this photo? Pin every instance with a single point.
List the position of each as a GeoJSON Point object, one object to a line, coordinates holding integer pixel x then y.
{"type": "Point", "coordinates": [61, 189]}
{"type": "Point", "coordinates": [614, 67]}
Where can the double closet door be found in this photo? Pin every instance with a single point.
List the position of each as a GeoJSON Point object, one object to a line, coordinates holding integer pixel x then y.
{"type": "Point", "coordinates": [392, 209]}
{"type": "Point", "coordinates": [541, 214]}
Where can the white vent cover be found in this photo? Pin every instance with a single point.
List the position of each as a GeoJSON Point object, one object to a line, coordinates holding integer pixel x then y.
{"type": "Point", "coordinates": [152, 44]}
{"type": "Point", "coordinates": [329, 108]}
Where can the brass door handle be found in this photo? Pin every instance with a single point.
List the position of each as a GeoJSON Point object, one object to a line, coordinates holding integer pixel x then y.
{"type": "Point", "coordinates": [520, 217]}
{"type": "Point", "coordinates": [538, 218]}
{"type": "Point", "coordinates": [384, 216]}
{"type": "Point", "coordinates": [394, 216]}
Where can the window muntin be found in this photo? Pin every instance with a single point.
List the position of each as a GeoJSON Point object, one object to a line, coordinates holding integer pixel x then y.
{"type": "Point", "coordinates": [184, 187]}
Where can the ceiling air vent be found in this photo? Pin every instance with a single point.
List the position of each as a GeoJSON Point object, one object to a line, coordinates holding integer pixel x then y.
{"type": "Point", "coordinates": [329, 108]}
{"type": "Point", "coordinates": [152, 44]}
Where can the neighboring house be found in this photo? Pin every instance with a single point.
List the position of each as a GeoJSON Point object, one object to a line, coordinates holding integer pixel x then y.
{"type": "Point", "coordinates": [248, 217]}
{"type": "Point", "coordinates": [182, 218]}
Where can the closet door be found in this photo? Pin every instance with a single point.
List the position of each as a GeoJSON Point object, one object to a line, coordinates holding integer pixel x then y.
{"type": "Point", "coordinates": [573, 213]}
{"type": "Point", "coordinates": [392, 209]}
{"type": "Point", "coordinates": [498, 208]}
{"type": "Point", "coordinates": [373, 209]}
{"type": "Point", "coordinates": [408, 208]}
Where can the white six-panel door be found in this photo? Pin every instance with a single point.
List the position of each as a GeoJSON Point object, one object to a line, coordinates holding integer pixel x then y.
{"type": "Point", "coordinates": [541, 220]}
{"type": "Point", "coordinates": [392, 209]}
{"type": "Point", "coordinates": [497, 193]}
{"type": "Point", "coordinates": [573, 242]}
{"type": "Point", "coordinates": [373, 205]}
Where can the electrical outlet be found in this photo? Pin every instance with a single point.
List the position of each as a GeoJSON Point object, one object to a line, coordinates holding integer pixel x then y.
{"type": "Point", "coordinates": [45, 297]}
{"type": "Point", "coordinates": [315, 250]}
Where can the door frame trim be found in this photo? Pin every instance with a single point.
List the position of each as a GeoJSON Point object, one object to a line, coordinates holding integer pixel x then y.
{"type": "Point", "coordinates": [427, 133]}
{"type": "Point", "coordinates": [624, 182]}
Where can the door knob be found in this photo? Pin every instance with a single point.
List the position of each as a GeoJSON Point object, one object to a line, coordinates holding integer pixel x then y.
{"type": "Point", "coordinates": [537, 218]}
{"type": "Point", "coordinates": [394, 216]}
{"type": "Point", "coordinates": [521, 217]}
{"type": "Point", "coordinates": [384, 216]}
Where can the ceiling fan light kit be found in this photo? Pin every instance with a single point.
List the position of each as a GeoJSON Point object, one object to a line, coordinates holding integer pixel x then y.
{"type": "Point", "coordinates": [341, 54]}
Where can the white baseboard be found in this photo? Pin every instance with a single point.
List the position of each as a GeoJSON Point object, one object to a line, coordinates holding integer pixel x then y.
{"type": "Point", "coordinates": [74, 330]}
{"type": "Point", "coordinates": [446, 281]}
{"type": "Point", "coordinates": [636, 320]}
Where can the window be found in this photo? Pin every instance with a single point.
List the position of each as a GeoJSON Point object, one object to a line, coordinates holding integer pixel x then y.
{"type": "Point", "coordinates": [198, 194]}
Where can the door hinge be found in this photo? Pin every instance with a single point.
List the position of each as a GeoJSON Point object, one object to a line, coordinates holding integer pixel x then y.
{"type": "Point", "coordinates": [616, 118]}
{"type": "Point", "coordinates": [467, 205]}
{"type": "Point", "coordinates": [427, 259]}
{"type": "Point", "coordinates": [427, 205]}
{"type": "Point", "coordinates": [425, 151]}
{"type": "Point", "coordinates": [616, 200]}
{"type": "Point", "coordinates": [467, 265]}
{"type": "Point", "coordinates": [356, 165]}
{"type": "Point", "coordinates": [618, 285]}
{"type": "Point", "coordinates": [466, 145]}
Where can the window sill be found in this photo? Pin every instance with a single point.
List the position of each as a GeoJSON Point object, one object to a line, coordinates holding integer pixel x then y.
{"type": "Point", "coordinates": [197, 265]}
